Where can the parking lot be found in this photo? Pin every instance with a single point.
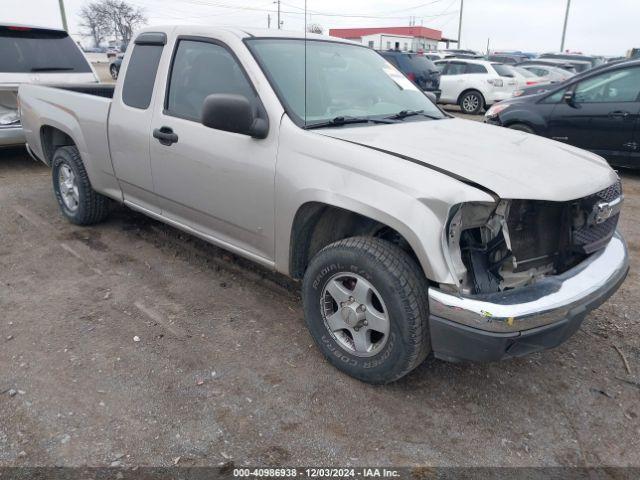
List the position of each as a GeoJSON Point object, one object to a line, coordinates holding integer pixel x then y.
{"type": "Point", "coordinates": [131, 343]}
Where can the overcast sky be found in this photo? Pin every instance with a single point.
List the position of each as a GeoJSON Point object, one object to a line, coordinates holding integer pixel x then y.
{"type": "Point", "coordinates": [595, 26]}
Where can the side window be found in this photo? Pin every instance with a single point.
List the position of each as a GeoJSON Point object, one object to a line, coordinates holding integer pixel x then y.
{"type": "Point", "coordinates": [141, 76]}
{"type": "Point", "coordinates": [556, 97]}
{"type": "Point", "coordinates": [617, 86]}
{"type": "Point", "coordinates": [200, 69]}
{"type": "Point", "coordinates": [441, 66]}
{"type": "Point", "coordinates": [456, 68]}
{"type": "Point", "coordinates": [475, 68]}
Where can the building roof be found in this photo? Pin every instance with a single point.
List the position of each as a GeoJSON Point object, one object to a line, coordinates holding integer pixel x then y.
{"type": "Point", "coordinates": [419, 32]}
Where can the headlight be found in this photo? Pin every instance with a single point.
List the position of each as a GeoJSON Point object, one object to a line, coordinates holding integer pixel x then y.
{"type": "Point", "coordinates": [496, 109]}
{"type": "Point", "coordinates": [9, 118]}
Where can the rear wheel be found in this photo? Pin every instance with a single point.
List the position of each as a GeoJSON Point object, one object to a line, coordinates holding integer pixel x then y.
{"type": "Point", "coordinates": [522, 128]}
{"type": "Point", "coordinates": [471, 103]}
{"type": "Point", "coordinates": [77, 200]}
{"type": "Point", "coordinates": [366, 306]}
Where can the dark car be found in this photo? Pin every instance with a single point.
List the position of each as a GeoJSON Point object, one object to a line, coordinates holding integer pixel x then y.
{"type": "Point", "coordinates": [598, 111]}
{"type": "Point", "coordinates": [114, 67]}
{"type": "Point", "coordinates": [418, 68]}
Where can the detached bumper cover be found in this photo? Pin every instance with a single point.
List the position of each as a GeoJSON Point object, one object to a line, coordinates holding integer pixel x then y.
{"type": "Point", "coordinates": [11, 136]}
{"type": "Point", "coordinates": [525, 320]}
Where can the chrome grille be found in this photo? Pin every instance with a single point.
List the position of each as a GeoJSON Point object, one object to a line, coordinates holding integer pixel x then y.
{"type": "Point", "coordinates": [592, 236]}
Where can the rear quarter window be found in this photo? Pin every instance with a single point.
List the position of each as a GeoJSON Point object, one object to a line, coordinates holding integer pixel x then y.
{"type": "Point", "coordinates": [141, 76]}
{"type": "Point", "coordinates": [475, 68]}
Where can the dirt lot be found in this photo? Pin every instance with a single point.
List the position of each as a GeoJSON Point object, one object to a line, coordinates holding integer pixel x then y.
{"type": "Point", "coordinates": [224, 369]}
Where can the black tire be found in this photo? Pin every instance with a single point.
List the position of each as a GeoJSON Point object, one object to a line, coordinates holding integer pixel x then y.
{"type": "Point", "coordinates": [521, 127]}
{"type": "Point", "coordinates": [471, 102]}
{"type": "Point", "coordinates": [114, 72]}
{"type": "Point", "coordinates": [91, 206]}
{"type": "Point", "coordinates": [403, 288]}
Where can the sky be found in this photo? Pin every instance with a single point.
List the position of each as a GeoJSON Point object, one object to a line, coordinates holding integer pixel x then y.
{"type": "Point", "coordinates": [595, 26]}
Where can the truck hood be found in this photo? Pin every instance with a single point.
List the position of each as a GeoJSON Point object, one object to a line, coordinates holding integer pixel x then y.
{"type": "Point", "coordinates": [509, 163]}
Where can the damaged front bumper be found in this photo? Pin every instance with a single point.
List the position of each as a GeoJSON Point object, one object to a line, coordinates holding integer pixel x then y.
{"type": "Point", "coordinates": [516, 322]}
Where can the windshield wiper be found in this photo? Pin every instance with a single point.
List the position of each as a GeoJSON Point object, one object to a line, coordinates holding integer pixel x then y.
{"type": "Point", "coordinates": [340, 121]}
{"type": "Point", "coordinates": [51, 69]}
{"type": "Point", "coordinates": [411, 113]}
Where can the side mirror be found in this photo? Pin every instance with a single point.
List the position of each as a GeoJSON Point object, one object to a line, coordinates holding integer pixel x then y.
{"type": "Point", "coordinates": [233, 113]}
{"type": "Point", "coordinates": [569, 97]}
{"type": "Point", "coordinates": [431, 96]}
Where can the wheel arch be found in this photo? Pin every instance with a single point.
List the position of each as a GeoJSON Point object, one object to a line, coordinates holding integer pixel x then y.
{"type": "Point", "coordinates": [51, 139]}
{"type": "Point", "coordinates": [469, 90]}
{"type": "Point", "coordinates": [317, 224]}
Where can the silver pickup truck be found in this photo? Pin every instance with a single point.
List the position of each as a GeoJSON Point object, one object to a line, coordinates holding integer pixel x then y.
{"type": "Point", "coordinates": [412, 231]}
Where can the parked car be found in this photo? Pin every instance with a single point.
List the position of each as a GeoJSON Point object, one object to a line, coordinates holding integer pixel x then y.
{"type": "Point", "coordinates": [412, 231]}
{"type": "Point", "coordinates": [474, 84]}
{"type": "Point", "coordinates": [507, 59]}
{"type": "Point", "coordinates": [598, 111]}
{"type": "Point", "coordinates": [34, 55]}
{"type": "Point", "coordinates": [563, 64]}
{"type": "Point", "coordinates": [114, 66]}
{"type": "Point", "coordinates": [593, 61]}
{"type": "Point", "coordinates": [554, 74]}
{"type": "Point", "coordinates": [525, 78]}
{"type": "Point", "coordinates": [418, 68]}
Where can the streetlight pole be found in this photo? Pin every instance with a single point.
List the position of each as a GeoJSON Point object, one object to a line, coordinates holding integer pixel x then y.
{"type": "Point", "coordinates": [460, 25]}
{"type": "Point", "coordinates": [564, 29]}
{"type": "Point", "coordinates": [63, 15]}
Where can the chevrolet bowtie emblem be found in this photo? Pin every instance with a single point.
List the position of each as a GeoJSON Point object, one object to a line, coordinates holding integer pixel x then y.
{"type": "Point", "coordinates": [603, 211]}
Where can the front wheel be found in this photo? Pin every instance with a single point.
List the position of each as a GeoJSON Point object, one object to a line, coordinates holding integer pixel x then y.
{"type": "Point", "coordinates": [366, 306]}
{"type": "Point", "coordinates": [114, 72]}
{"type": "Point", "coordinates": [471, 103]}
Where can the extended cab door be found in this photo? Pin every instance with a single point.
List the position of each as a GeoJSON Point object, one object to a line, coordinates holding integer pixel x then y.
{"type": "Point", "coordinates": [600, 114]}
{"type": "Point", "coordinates": [218, 183]}
{"type": "Point", "coordinates": [130, 121]}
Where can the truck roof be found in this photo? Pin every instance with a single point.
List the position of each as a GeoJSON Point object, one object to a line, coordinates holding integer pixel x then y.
{"type": "Point", "coordinates": [243, 32]}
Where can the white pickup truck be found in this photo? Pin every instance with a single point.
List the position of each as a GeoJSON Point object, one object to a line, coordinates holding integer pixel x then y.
{"type": "Point", "coordinates": [412, 231]}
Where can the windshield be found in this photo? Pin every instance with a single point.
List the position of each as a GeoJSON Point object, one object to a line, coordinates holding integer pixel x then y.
{"type": "Point", "coordinates": [26, 50]}
{"type": "Point", "coordinates": [342, 81]}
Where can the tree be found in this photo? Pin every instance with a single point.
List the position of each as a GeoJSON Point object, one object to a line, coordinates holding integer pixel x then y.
{"type": "Point", "coordinates": [315, 28]}
{"type": "Point", "coordinates": [117, 16]}
{"type": "Point", "coordinates": [93, 24]}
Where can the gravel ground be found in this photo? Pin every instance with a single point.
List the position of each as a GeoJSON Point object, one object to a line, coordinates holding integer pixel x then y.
{"type": "Point", "coordinates": [131, 342]}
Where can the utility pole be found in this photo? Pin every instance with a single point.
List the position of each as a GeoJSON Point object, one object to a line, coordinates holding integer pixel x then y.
{"type": "Point", "coordinates": [564, 29]}
{"type": "Point", "coordinates": [63, 15]}
{"type": "Point", "coordinates": [268, 20]}
{"type": "Point", "coordinates": [460, 24]}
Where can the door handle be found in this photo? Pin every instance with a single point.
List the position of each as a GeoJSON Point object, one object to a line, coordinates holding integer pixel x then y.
{"type": "Point", "coordinates": [619, 114]}
{"type": "Point", "coordinates": [165, 135]}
